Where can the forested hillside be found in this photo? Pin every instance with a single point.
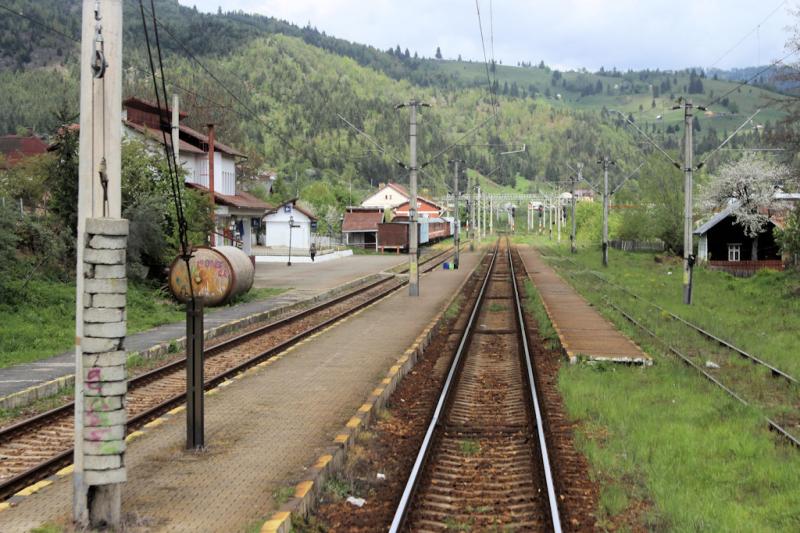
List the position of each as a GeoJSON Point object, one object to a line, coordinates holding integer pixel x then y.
{"type": "Point", "coordinates": [279, 90]}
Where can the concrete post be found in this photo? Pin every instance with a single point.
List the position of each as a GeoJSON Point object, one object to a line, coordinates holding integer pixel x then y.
{"type": "Point", "coordinates": [491, 216]}
{"type": "Point", "coordinates": [100, 273]}
{"type": "Point", "coordinates": [104, 371]}
{"type": "Point", "coordinates": [688, 154]}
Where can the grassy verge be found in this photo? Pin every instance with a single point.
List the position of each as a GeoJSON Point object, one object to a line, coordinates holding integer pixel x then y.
{"type": "Point", "coordinates": [673, 452]}
{"type": "Point", "coordinates": [44, 323]}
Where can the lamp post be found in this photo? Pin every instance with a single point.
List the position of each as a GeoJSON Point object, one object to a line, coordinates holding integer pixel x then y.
{"type": "Point", "coordinates": [291, 226]}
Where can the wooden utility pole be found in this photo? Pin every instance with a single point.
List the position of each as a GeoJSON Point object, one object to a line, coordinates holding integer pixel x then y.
{"type": "Point", "coordinates": [96, 492]}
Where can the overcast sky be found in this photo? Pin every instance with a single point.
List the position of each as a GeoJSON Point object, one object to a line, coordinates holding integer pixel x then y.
{"type": "Point", "coordinates": [664, 34]}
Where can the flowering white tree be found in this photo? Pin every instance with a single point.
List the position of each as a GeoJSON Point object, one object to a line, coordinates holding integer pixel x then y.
{"type": "Point", "coordinates": [751, 183]}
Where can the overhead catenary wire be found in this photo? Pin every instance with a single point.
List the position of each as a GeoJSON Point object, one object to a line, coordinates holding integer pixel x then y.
{"type": "Point", "coordinates": [175, 182]}
{"type": "Point", "coordinates": [748, 34]}
{"type": "Point", "coordinates": [492, 95]}
{"type": "Point", "coordinates": [286, 142]}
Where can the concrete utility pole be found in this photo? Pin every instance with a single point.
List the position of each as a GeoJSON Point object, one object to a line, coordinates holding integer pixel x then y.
{"type": "Point", "coordinates": [491, 216]}
{"type": "Point", "coordinates": [606, 162]}
{"type": "Point", "coordinates": [413, 237]}
{"type": "Point", "coordinates": [457, 230]}
{"type": "Point", "coordinates": [688, 248]}
{"type": "Point", "coordinates": [559, 214]}
{"type": "Point", "coordinates": [471, 214]}
{"type": "Point", "coordinates": [573, 235]}
{"type": "Point", "coordinates": [101, 286]}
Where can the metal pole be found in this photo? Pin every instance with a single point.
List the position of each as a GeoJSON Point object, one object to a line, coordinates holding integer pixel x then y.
{"type": "Point", "coordinates": [688, 256]}
{"type": "Point", "coordinates": [195, 409]}
{"type": "Point", "coordinates": [291, 224]}
{"type": "Point", "coordinates": [605, 162]}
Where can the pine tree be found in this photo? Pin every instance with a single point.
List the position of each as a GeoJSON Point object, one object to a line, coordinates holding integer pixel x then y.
{"type": "Point", "coordinates": [438, 53]}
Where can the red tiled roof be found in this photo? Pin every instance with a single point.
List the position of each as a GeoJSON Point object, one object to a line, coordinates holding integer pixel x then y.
{"type": "Point", "coordinates": [399, 188]}
{"type": "Point", "coordinates": [423, 206]}
{"type": "Point", "coordinates": [150, 107]}
{"type": "Point", "coordinates": [365, 219]}
{"type": "Point", "coordinates": [241, 200]}
{"type": "Point", "coordinates": [155, 135]}
{"type": "Point", "coordinates": [17, 147]}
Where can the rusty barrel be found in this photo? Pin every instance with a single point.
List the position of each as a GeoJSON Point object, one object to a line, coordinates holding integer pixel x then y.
{"type": "Point", "coordinates": [218, 275]}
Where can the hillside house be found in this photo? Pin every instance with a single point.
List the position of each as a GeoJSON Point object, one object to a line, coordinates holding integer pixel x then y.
{"type": "Point", "coordinates": [388, 195]}
{"type": "Point", "coordinates": [277, 226]}
{"type": "Point", "coordinates": [238, 214]}
{"type": "Point", "coordinates": [724, 245]}
{"type": "Point", "coordinates": [360, 226]}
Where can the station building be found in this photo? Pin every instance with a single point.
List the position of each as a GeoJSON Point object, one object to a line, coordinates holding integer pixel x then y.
{"type": "Point", "coordinates": [238, 214]}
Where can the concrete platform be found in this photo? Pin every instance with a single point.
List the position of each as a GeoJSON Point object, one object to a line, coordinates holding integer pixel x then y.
{"type": "Point", "coordinates": [320, 276]}
{"type": "Point", "coordinates": [308, 282]}
{"type": "Point", "coordinates": [583, 332]}
{"type": "Point", "coordinates": [262, 430]}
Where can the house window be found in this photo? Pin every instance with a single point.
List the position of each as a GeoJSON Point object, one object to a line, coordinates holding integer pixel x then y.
{"type": "Point", "coordinates": [734, 252]}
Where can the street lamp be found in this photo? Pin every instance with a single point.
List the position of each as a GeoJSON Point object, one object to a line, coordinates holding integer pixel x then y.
{"type": "Point", "coordinates": [291, 225]}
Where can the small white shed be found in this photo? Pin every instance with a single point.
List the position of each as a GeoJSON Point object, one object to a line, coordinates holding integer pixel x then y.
{"type": "Point", "coordinates": [276, 226]}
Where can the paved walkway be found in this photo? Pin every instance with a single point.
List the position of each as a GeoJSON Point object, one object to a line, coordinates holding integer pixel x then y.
{"type": "Point", "coordinates": [583, 332]}
{"type": "Point", "coordinates": [306, 282]}
{"type": "Point", "coordinates": [262, 430]}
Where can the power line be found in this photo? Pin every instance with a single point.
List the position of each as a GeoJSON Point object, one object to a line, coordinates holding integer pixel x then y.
{"type": "Point", "coordinates": [39, 23]}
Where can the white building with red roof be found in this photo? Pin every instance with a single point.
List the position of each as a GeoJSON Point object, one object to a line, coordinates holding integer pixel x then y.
{"type": "Point", "coordinates": [388, 195]}
{"type": "Point", "coordinates": [238, 215]}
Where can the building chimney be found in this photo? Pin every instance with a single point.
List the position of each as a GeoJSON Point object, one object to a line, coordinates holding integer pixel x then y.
{"type": "Point", "coordinates": [211, 140]}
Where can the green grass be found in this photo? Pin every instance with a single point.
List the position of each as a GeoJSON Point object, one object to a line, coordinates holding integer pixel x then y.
{"type": "Point", "coordinates": [669, 449]}
{"type": "Point", "coordinates": [760, 314]}
{"type": "Point", "coordinates": [469, 447]}
{"type": "Point", "coordinates": [282, 495]}
{"type": "Point", "coordinates": [43, 324]}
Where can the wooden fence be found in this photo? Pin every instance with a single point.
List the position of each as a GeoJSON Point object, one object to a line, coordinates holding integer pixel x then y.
{"type": "Point", "coordinates": [745, 269]}
{"type": "Point", "coordinates": [637, 246]}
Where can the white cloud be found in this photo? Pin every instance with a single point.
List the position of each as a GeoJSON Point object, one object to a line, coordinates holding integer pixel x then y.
{"type": "Point", "coordinates": [575, 33]}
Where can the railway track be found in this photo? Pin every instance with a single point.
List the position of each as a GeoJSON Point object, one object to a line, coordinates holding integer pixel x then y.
{"type": "Point", "coordinates": [484, 461]}
{"type": "Point", "coordinates": [37, 447]}
{"type": "Point", "coordinates": [782, 392]}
